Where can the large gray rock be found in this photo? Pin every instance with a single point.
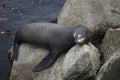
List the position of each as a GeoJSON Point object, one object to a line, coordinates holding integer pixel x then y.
{"type": "Point", "coordinates": [111, 43]}
{"type": "Point", "coordinates": [81, 63]}
{"type": "Point", "coordinates": [111, 69]}
{"type": "Point", "coordinates": [29, 56]}
{"type": "Point", "coordinates": [86, 58]}
{"type": "Point", "coordinates": [97, 15]}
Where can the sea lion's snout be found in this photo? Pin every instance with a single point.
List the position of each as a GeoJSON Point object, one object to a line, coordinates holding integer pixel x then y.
{"type": "Point", "coordinates": [80, 39]}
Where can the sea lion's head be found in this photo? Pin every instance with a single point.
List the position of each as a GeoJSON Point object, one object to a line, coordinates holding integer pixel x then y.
{"type": "Point", "coordinates": [82, 36]}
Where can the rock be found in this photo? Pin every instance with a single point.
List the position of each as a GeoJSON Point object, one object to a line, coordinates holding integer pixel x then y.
{"type": "Point", "coordinates": [111, 43]}
{"type": "Point", "coordinates": [111, 69]}
{"type": "Point", "coordinates": [96, 15]}
{"type": "Point", "coordinates": [81, 63]}
{"type": "Point", "coordinates": [111, 51]}
{"type": "Point", "coordinates": [29, 56]}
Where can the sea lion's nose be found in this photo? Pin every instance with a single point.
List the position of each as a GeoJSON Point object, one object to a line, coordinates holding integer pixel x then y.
{"type": "Point", "coordinates": [80, 41]}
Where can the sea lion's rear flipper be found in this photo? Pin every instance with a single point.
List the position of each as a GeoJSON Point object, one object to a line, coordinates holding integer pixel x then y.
{"type": "Point", "coordinates": [46, 62]}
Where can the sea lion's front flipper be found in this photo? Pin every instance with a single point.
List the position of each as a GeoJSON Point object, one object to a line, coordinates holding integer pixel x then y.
{"type": "Point", "coordinates": [46, 62]}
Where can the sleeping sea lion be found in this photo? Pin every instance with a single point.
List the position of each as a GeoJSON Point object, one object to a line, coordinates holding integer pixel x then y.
{"type": "Point", "coordinates": [54, 37]}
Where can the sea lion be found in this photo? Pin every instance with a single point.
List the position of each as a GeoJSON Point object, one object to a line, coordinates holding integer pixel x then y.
{"type": "Point", "coordinates": [54, 37]}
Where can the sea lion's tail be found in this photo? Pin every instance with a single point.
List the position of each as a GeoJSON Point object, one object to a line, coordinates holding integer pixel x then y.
{"type": "Point", "coordinates": [16, 49]}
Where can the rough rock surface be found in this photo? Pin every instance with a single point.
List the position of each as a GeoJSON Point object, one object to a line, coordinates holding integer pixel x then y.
{"type": "Point", "coordinates": [81, 63]}
{"type": "Point", "coordinates": [29, 56]}
{"type": "Point", "coordinates": [111, 51]}
{"type": "Point", "coordinates": [94, 14]}
{"type": "Point", "coordinates": [86, 58]}
{"type": "Point", "coordinates": [111, 69]}
{"type": "Point", "coordinates": [111, 43]}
